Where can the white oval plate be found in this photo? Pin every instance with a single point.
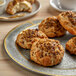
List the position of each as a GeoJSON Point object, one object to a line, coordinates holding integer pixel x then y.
{"type": "Point", "coordinates": [36, 7]}
{"type": "Point", "coordinates": [54, 4]}
{"type": "Point", "coordinates": [22, 56]}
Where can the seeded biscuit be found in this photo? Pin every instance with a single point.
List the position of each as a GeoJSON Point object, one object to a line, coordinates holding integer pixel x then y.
{"type": "Point", "coordinates": [16, 6]}
{"type": "Point", "coordinates": [71, 45]}
{"type": "Point", "coordinates": [47, 52]}
{"type": "Point", "coordinates": [27, 37]}
{"type": "Point", "coordinates": [51, 27]}
{"type": "Point", "coordinates": [68, 21]}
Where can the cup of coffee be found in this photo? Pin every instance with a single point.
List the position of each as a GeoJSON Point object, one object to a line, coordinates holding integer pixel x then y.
{"type": "Point", "coordinates": [67, 4]}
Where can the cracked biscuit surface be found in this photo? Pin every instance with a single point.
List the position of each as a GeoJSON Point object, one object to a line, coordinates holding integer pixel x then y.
{"type": "Point", "coordinates": [68, 21]}
{"type": "Point", "coordinates": [51, 27]}
{"type": "Point", "coordinates": [16, 6]}
{"type": "Point", "coordinates": [26, 38]}
{"type": "Point", "coordinates": [71, 45]}
{"type": "Point", "coordinates": [47, 52]}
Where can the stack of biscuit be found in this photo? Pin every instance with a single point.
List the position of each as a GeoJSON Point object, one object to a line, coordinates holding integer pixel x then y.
{"type": "Point", "coordinates": [45, 51]}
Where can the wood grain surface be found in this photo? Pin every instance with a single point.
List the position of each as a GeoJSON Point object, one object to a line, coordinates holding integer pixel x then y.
{"type": "Point", "coordinates": [7, 67]}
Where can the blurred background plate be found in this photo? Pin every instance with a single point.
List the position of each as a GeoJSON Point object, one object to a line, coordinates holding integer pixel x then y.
{"type": "Point", "coordinates": [22, 56]}
{"type": "Point", "coordinates": [35, 8]}
{"type": "Point", "coordinates": [55, 5]}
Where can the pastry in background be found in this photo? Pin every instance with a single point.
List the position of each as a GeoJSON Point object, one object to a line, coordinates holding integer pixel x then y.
{"type": "Point", "coordinates": [31, 1]}
{"type": "Point", "coordinates": [51, 27]}
{"type": "Point", "coordinates": [27, 37]}
{"type": "Point", "coordinates": [16, 6]}
{"type": "Point", "coordinates": [71, 45]}
{"type": "Point", "coordinates": [68, 21]}
{"type": "Point", "coordinates": [47, 52]}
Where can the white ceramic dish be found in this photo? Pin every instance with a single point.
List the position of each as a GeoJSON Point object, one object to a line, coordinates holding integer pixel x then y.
{"type": "Point", "coordinates": [22, 56]}
{"type": "Point", "coordinates": [2, 6]}
{"type": "Point", "coordinates": [68, 4]}
{"type": "Point", "coordinates": [6, 17]}
{"type": "Point", "coordinates": [55, 5]}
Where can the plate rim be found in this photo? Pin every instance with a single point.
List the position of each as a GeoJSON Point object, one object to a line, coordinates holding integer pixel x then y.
{"type": "Point", "coordinates": [13, 59]}
{"type": "Point", "coordinates": [26, 16]}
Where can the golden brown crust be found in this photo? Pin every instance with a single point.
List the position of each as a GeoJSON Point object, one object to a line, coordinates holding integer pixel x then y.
{"type": "Point", "coordinates": [27, 37]}
{"type": "Point", "coordinates": [47, 52]}
{"type": "Point", "coordinates": [71, 45]}
{"type": "Point", "coordinates": [51, 27]}
{"type": "Point", "coordinates": [9, 7]}
{"type": "Point", "coordinates": [31, 1]}
{"type": "Point", "coordinates": [68, 21]}
{"type": "Point", "coordinates": [16, 6]}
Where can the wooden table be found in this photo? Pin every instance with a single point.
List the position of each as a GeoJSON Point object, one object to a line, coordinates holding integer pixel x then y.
{"type": "Point", "coordinates": [7, 67]}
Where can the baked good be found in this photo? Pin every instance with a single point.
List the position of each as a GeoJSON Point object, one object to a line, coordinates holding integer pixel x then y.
{"type": "Point", "coordinates": [27, 37]}
{"type": "Point", "coordinates": [47, 52]}
{"type": "Point", "coordinates": [51, 27]}
{"type": "Point", "coordinates": [68, 21]}
{"type": "Point", "coordinates": [31, 1]}
{"type": "Point", "coordinates": [71, 45]}
{"type": "Point", "coordinates": [18, 6]}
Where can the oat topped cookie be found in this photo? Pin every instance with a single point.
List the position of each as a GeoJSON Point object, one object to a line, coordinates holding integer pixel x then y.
{"type": "Point", "coordinates": [16, 6]}
{"type": "Point", "coordinates": [47, 52]}
{"type": "Point", "coordinates": [27, 37]}
{"type": "Point", "coordinates": [51, 27]}
{"type": "Point", "coordinates": [71, 45]}
{"type": "Point", "coordinates": [68, 21]}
